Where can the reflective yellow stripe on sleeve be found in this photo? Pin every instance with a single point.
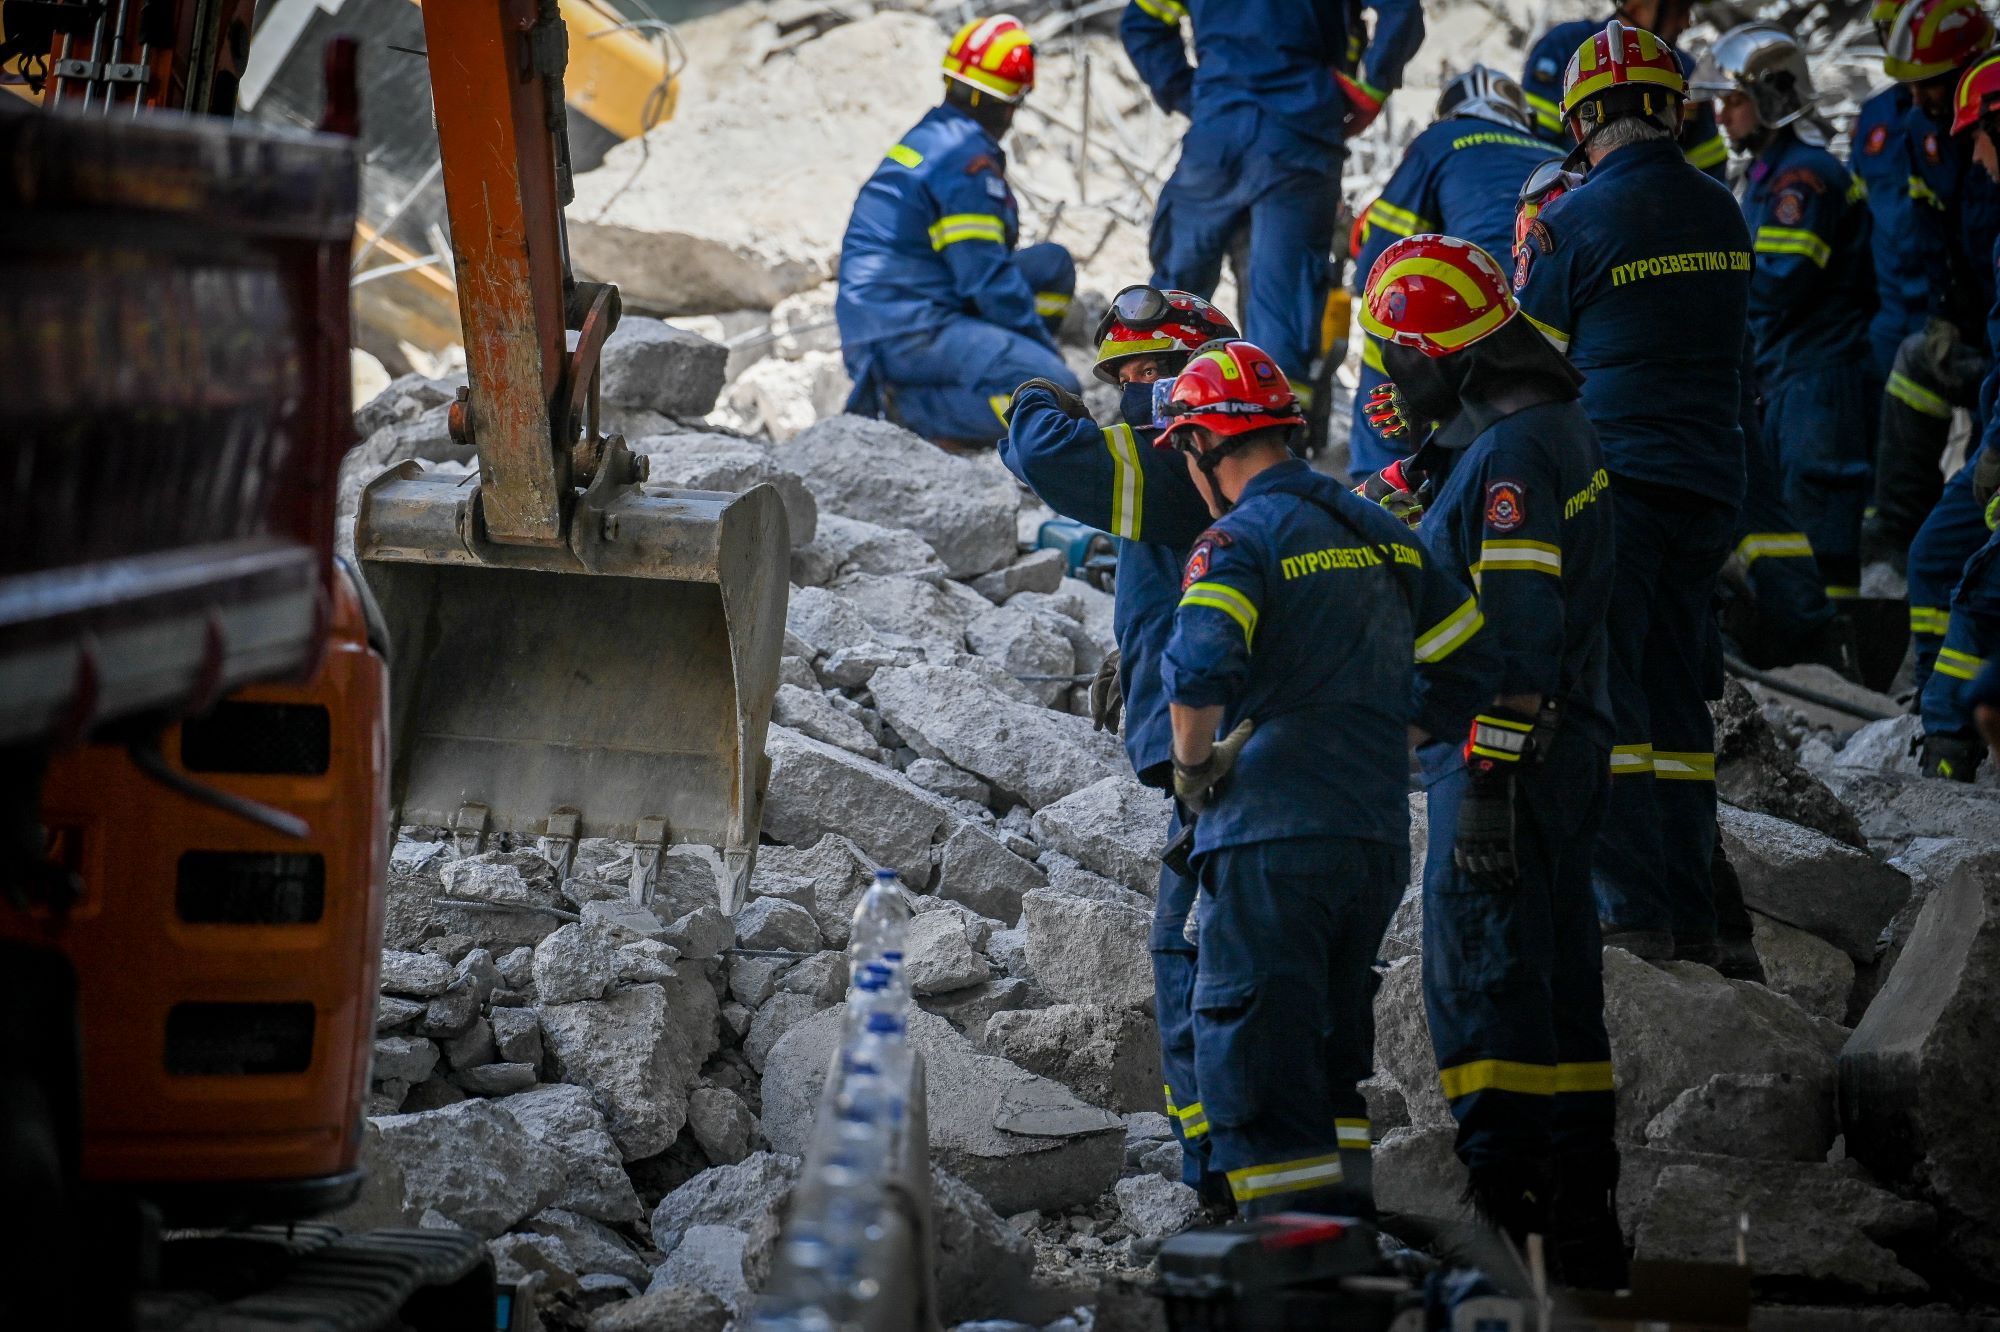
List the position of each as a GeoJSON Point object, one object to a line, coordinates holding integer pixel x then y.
{"type": "Point", "coordinates": [1958, 665]}
{"type": "Point", "coordinates": [1128, 482]}
{"type": "Point", "coordinates": [956, 227]}
{"type": "Point", "coordinates": [1793, 240]}
{"type": "Point", "coordinates": [1709, 153]}
{"type": "Point", "coordinates": [1353, 1135]}
{"type": "Point", "coordinates": [1757, 546]}
{"type": "Point", "coordinates": [1052, 304]}
{"type": "Point", "coordinates": [1402, 221]}
{"type": "Point", "coordinates": [1547, 112]}
{"type": "Point", "coordinates": [1923, 193]}
{"type": "Point", "coordinates": [903, 155]}
{"type": "Point", "coordinates": [1222, 597]}
{"type": "Point", "coordinates": [1310, 1172]}
{"type": "Point", "coordinates": [1933, 620]}
{"type": "Point", "coordinates": [1672, 766]}
{"type": "Point", "coordinates": [1170, 12]}
{"type": "Point", "coordinates": [1551, 332]}
{"type": "Point", "coordinates": [1530, 556]}
{"type": "Point", "coordinates": [1631, 760]}
{"type": "Point", "coordinates": [1916, 397]}
{"type": "Point", "coordinates": [1447, 635]}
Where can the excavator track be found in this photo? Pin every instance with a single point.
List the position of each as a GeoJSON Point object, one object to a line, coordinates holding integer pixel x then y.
{"type": "Point", "coordinates": [311, 1278]}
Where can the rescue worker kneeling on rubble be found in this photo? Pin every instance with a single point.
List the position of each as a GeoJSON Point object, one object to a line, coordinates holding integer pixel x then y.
{"type": "Point", "coordinates": [1114, 480]}
{"type": "Point", "coordinates": [939, 317]}
{"type": "Point", "coordinates": [1513, 972]}
{"type": "Point", "coordinates": [1288, 675]}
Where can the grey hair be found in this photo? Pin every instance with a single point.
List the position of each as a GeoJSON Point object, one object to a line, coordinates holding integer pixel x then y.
{"type": "Point", "coordinates": [1628, 129]}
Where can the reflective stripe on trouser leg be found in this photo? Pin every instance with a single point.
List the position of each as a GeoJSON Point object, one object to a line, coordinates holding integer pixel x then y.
{"type": "Point", "coordinates": [1947, 541]}
{"type": "Point", "coordinates": [1173, 997]}
{"type": "Point", "coordinates": [1284, 1026]}
{"type": "Point", "coordinates": [1513, 987]}
{"type": "Point", "coordinates": [1822, 424]}
{"type": "Point", "coordinates": [1971, 640]}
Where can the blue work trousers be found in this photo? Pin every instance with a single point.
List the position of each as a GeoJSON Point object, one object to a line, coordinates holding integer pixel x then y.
{"type": "Point", "coordinates": [1822, 425]}
{"type": "Point", "coordinates": [1225, 182]}
{"type": "Point", "coordinates": [1952, 533]}
{"type": "Point", "coordinates": [1652, 863]}
{"type": "Point", "coordinates": [953, 381]}
{"type": "Point", "coordinates": [1173, 1007]}
{"type": "Point", "coordinates": [1514, 978]}
{"type": "Point", "coordinates": [1973, 636]}
{"type": "Point", "coordinates": [1792, 604]}
{"type": "Point", "coordinates": [1284, 1019]}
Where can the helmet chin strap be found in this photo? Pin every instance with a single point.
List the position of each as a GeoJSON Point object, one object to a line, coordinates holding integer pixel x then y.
{"type": "Point", "coordinates": [1206, 463]}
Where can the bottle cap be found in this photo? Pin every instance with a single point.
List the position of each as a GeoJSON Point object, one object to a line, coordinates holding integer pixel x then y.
{"type": "Point", "coordinates": [885, 876]}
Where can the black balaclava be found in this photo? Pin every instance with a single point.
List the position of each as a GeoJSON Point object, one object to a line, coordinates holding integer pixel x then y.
{"type": "Point", "coordinates": [1510, 370]}
{"type": "Point", "coordinates": [993, 114]}
{"type": "Point", "coordinates": [1135, 405]}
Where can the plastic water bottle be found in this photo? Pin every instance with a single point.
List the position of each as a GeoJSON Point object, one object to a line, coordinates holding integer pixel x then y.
{"type": "Point", "coordinates": [881, 922]}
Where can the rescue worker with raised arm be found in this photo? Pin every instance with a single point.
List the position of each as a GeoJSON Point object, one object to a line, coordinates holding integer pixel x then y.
{"type": "Point", "coordinates": [1542, 76]}
{"type": "Point", "coordinates": [1114, 480]}
{"type": "Point", "coordinates": [1812, 291]}
{"type": "Point", "coordinates": [1460, 176]}
{"type": "Point", "coordinates": [1618, 272]}
{"type": "Point", "coordinates": [1288, 675]}
{"type": "Point", "coordinates": [1513, 962]}
{"type": "Point", "coordinates": [1953, 747]}
{"type": "Point", "coordinates": [940, 316]}
{"type": "Point", "coordinates": [1270, 105]}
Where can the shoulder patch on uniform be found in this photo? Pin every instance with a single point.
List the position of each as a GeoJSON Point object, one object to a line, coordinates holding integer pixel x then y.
{"type": "Point", "coordinates": [1544, 238]}
{"type": "Point", "coordinates": [1931, 153]}
{"type": "Point", "coordinates": [1197, 563]}
{"type": "Point", "coordinates": [1218, 536]}
{"type": "Point", "coordinates": [983, 162]}
{"type": "Point", "coordinates": [1788, 208]}
{"type": "Point", "coordinates": [1506, 508]}
{"type": "Point", "coordinates": [1524, 257]}
{"type": "Point", "coordinates": [996, 187]}
{"type": "Point", "coordinates": [1877, 139]}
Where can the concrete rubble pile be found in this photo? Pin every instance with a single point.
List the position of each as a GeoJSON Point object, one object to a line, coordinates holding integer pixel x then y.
{"type": "Point", "coordinates": [616, 1094]}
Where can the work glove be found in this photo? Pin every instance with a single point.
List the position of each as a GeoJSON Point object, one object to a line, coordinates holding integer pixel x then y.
{"type": "Point", "coordinates": [1500, 744]}
{"type": "Point", "coordinates": [1195, 785]}
{"type": "Point", "coordinates": [1107, 695]}
{"type": "Point", "coordinates": [1071, 405]}
{"type": "Point", "coordinates": [1396, 490]}
{"type": "Point", "coordinates": [1386, 411]}
{"type": "Point", "coordinates": [1363, 103]}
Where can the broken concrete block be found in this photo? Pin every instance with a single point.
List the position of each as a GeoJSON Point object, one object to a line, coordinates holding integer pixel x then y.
{"type": "Point", "coordinates": [971, 1008]}
{"type": "Point", "coordinates": [1037, 571]}
{"type": "Point", "coordinates": [1769, 1116]}
{"type": "Point", "coordinates": [1029, 754]}
{"type": "Point", "coordinates": [938, 957]}
{"type": "Point", "coordinates": [1809, 969]}
{"type": "Point", "coordinates": [450, 1013]}
{"type": "Point", "coordinates": [1811, 882]}
{"type": "Point", "coordinates": [472, 1047]}
{"type": "Point", "coordinates": [1087, 951]}
{"type": "Point", "coordinates": [1918, 1077]}
{"type": "Point", "coordinates": [942, 779]}
{"type": "Point", "coordinates": [752, 979]}
{"type": "Point", "coordinates": [403, 1059]}
{"type": "Point", "coordinates": [567, 1119]}
{"type": "Point", "coordinates": [1896, 809]}
{"type": "Point", "coordinates": [578, 961]}
{"type": "Point", "coordinates": [405, 398]}
{"type": "Point", "coordinates": [881, 473]}
{"type": "Point", "coordinates": [845, 545]}
{"type": "Point", "coordinates": [1154, 1208]}
{"type": "Point", "coordinates": [1022, 1141]}
{"type": "Point", "coordinates": [979, 1263]}
{"type": "Point", "coordinates": [976, 869]}
{"type": "Point", "coordinates": [504, 878]}
{"type": "Point", "coordinates": [721, 1123]}
{"type": "Point", "coordinates": [419, 975]}
{"type": "Point", "coordinates": [823, 977]}
{"type": "Point", "coordinates": [703, 933]}
{"type": "Point", "coordinates": [391, 1012]}
{"type": "Point", "coordinates": [1027, 643]}
{"type": "Point", "coordinates": [898, 606]}
{"type": "Point", "coordinates": [775, 924]}
{"type": "Point", "coordinates": [1114, 827]}
{"type": "Point", "coordinates": [747, 1199]}
{"type": "Point", "coordinates": [1807, 1222]}
{"type": "Point", "coordinates": [494, 1079]}
{"type": "Point", "coordinates": [683, 1308]}
{"type": "Point", "coordinates": [1418, 1175]}
{"type": "Point", "coordinates": [1756, 770]}
{"type": "Point", "coordinates": [779, 398]}
{"type": "Point", "coordinates": [517, 1035]}
{"type": "Point", "coordinates": [1108, 1057]}
{"type": "Point", "coordinates": [691, 460]}
{"type": "Point", "coordinates": [591, 1244]}
{"type": "Point", "coordinates": [825, 620]}
{"type": "Point", "coordinates": [778, 1015]}
{"type": "Point", "coordinates": [639, 1050]}
{"type": "Point", "coordinates": [817, 789]}
{"type": "Point", "coordinates": [1403, 1044]}
{"type": "Point", "coordinates": [808, 712]}
{"type": "Point", "coordinates": [651, 364]}
{"type": "Point", "coordinates": [1889, 745]}
{"type": "Point", "coordinates": [710, 1258]}
{"type": "Point", "coordinates": [645, 961]}
{"type": "Point", "coordinates": [473, 1163]}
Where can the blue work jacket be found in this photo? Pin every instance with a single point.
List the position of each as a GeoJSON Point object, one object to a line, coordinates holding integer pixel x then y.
{"type": "Point", "coordinates": [1642, 275]}
{"type": "Point", "coordinates": [1309, 624]}
{"type": "Point", "coordinates": [1879, 156]}
{"type": "Point", "coordinates": [932, 235]}
{"type": "Point", "coordinates": [1813, 289]}
{"type": "Point", "coordinates": [1957, 218]}
{"type": "Point", "coordinates": [1542, 81]}
{"type": "Point", "coordinates": [1114, 480]}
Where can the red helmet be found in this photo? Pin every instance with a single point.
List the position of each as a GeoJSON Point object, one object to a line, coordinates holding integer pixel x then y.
{"type": "Point", "coordinates": [1155, 321]}
{"type": "Point", "coordinates": [1882, 13]}
{"type": "Point", "coordinates": [1545, 184]}
{"type": "Point", "coordinates": [1435, 293]}
{"type": "Point", "coordinates": [1232, 388]}
{"type": "Point", "coordinates": [1978, 94]}
{"type": "Point", "coordinates": [1624, 71]}
{"type": "Point", "coordinates": [1933, 37]}
{"type": "Point", "coordinates": [994, 55]}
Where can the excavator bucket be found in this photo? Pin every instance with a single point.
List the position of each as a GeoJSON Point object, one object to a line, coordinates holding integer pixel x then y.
{"type": "Point", "coordinates": [617, 686]}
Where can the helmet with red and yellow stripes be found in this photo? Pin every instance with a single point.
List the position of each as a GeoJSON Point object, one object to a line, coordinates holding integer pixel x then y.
{"type": "Point", "coordinates": [1978, 95]}
{"type": "Point", "coordinates": [1438, 294]}
{"type": "Point", "coordinates": [994, 56]}
{"type": "Point", "coordinates": [1933, 37]}
{"type": "Point", "coordinates": [1231, 388]}
{"type": "Point", "coordinates": [1623, 71]}
{"type": "Point", "coordinates": [1156, 321]}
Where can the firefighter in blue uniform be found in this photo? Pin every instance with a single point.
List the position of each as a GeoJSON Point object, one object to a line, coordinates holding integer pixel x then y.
{"type": "Point", "coordinates": [1114, 480]}
{"type": "Point", "coordinates": [1542, 76]}
{"type": "Point", "coordinates": [940, 317]}
{"type": "Point", "coordinates": [1460, 177]}
{"type": "Point", "coordinates": [1971, 637]}
{"type": "Point", "coordinates": [1812, 291]}
{"type": "Point", "coordinates": [1271, 104]}
{"type": "Point", "coordinates": [1513, 970]}
{"type": "Point", "coordinates": [1615, 272]}
{"type": "Point", "coordinates": [1878, 156]}
{"type": "Point", "coordinates": [1954, 218]}
{"type": "Point", "coordinates": [1288, 675]}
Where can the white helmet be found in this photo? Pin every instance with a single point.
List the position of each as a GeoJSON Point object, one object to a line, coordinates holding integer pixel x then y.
{"type": "Point", "coordinates": [1486, 93]}
{"type": "Point", "coordinates": [1764, 63]}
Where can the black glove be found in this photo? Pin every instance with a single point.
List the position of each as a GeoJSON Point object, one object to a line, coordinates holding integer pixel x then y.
{"type": "Point", "coordinates": [1071, 405]}
{"type": "Point", "coordinates": [1107, 695]}
{"type": "Point", "coordinates": [1501, 743]}
{"type": "Point", "coordinates": [1194, 785]}
{"type": "Point", "coordinates": [1399, 489]}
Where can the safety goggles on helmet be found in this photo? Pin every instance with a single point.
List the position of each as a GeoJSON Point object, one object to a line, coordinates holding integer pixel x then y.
{"type": "Point", "coordinates": [1141, 307]}
{"type": "Point", "coordinates": [1151, 321]}
{"type": "Point", "coordinates": [1544, 185]}
{"type": "Point", "coordinates": [1166, 408]}
{"type": "Point", "coordinates": [1231, 388]}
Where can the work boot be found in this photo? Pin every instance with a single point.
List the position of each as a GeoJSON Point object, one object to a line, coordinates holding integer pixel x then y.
{"type": "Point", "coordinates": [1589, 1248]}
{"type": "Point", "coordinates": [1514, 1197]}
{"type": "Point", "coordinates": [1646, 945]}
{"type": "Point", "coordinates": [1951, 756]}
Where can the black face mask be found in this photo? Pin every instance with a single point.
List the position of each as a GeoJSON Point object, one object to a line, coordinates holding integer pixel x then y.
{"type": "Point", "coordinates": [1430, 385]}
{"type": "Point", "coordinates": [1135, 405]}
